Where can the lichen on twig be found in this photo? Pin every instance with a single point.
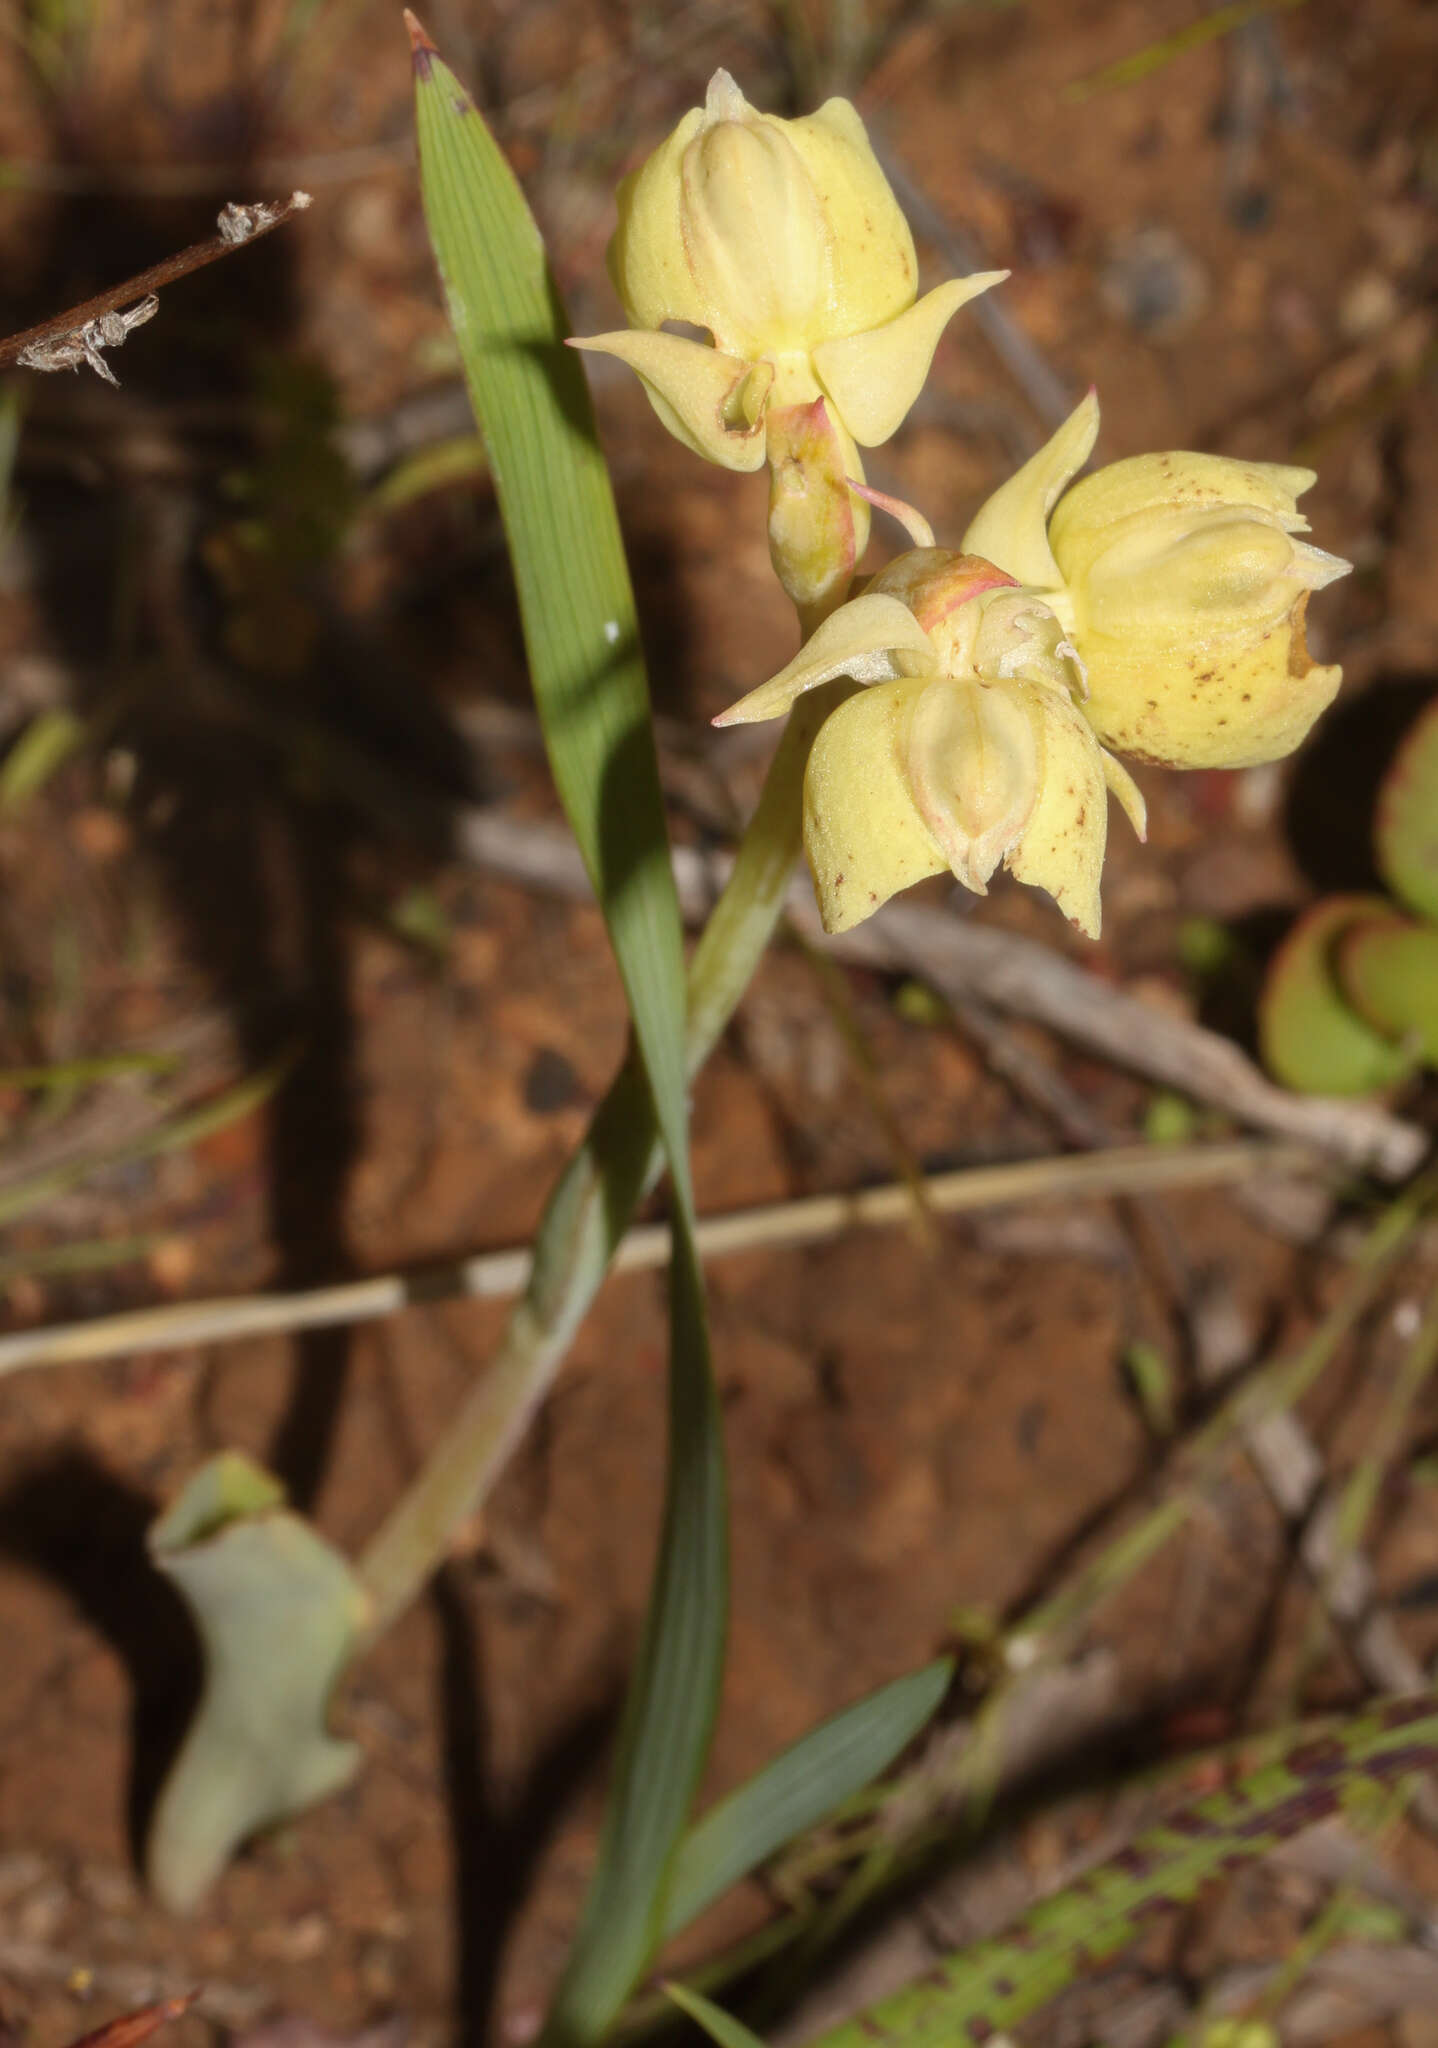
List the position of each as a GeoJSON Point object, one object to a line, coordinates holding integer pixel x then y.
{"type": "Point", "coordinates": [83, 332]}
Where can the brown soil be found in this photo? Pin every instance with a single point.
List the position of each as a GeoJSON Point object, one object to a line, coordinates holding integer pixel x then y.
{"type": "Point", "coordinates": [1239, 251]}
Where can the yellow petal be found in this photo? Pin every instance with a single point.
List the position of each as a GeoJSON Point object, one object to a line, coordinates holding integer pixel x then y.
{"type": "Point", "coordinates": [713, 403]}
{"type": "Point", "coordinates": [772, 234]}
{"type": "Point", "coordinates": [872, 638]}
{"type": "Point", "coordinates": [862, 831]}
{"type": "Point", "coordinates": [1178, 482]}
{"type": "Point", "coordinates": [1122, 785]}
{"type": "Point", "coordinates": [1010, 527]}
{"type": "Point", "coordinates": [647, 258]}
{"type": "Point", "coordinates": [758, 238]}
{"type": "Point", "coordinates": [875, 273]}
{"type": "Point", "coordinates": [1208, 701]}
{"type": "Point", "coordinates": [973, 761]}
{"type": "Point", "coordinates": [1174, 571]}
{"type": "Point", "coordinates": [1191, 624]}
{"type": "Point", "coordinates": [1186, 590]}
{"type": "Point", "coordinates": [874, 377]}
{"type": "Point", "coordinates": [1062, 846]}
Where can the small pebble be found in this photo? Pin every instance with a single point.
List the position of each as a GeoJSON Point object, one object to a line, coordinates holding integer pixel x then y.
{"type": "Point", "coordinates": [1370, 304]}
{"type": "Point", "coordinates": [1153, 282]}
{"type": "Point", "coordinates": [100, 834]}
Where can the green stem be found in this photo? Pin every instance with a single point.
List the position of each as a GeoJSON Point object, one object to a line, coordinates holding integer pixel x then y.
{"type": "Point", "coordinates": [618, 1163]}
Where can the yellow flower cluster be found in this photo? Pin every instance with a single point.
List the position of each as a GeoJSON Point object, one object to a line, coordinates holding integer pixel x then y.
{"type": "Point", "coordinates": [1156, 607]}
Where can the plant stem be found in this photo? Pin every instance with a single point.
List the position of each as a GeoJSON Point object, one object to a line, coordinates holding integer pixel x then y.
{"type": "Point", "coordinates": [619, 1161]}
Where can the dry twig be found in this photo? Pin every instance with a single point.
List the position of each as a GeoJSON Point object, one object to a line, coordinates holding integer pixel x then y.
{"type": "Point", "coordinates": [499, 1274]}
{"type": "Point", "coordinates": [1012, 974]}
{"type": "Point", "coordinates": [238, 225]}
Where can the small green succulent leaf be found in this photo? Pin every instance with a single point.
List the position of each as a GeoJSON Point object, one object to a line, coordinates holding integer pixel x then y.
{"type": "Point", "coordinates": [1406, 828]}
{"type": "Point", "coordinates": [1389, 972]}
{"type": "Point", "coordinates": [1239, 2034]}
{"type": "Point", "coordinates": [279, 1613]}
{"type": "Point", "coordinates": [1311, 1037]}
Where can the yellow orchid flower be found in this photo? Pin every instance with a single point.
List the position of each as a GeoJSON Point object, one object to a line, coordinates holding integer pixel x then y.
{"type": "Point", "coordinates": [783, 244]}
{"type": "Point", "coordinates": [1181, 583]}
{"type": "Point", "coordinates": [966, 751]}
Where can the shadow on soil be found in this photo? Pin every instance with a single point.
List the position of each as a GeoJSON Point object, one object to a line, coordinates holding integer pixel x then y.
{"type": "Point", "coordinates": [1334, 792]}
{"type": "Point", "coordinates": [1328, 820]}
{"type": "Point", "coordinates": [497, 1847]}
{"type": "Point", "coordinates": [286, 772]}
{"type": "Point", "coordinates": [78, 1526]}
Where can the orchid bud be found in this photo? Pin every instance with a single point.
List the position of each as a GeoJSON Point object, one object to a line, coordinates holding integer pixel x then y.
{"type": "Point", "coordinates": [782, 242]}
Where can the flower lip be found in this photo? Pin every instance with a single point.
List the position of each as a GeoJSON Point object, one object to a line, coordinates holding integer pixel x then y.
{"type": "Point", "coordinates": [972, 761]}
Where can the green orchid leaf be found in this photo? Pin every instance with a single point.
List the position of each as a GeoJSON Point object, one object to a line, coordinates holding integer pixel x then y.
{"type": "Point", "coordinates": [1406, 828]}
{"type": "Point", "coordinates": [803, 1784]}
{"type": "Point", "coordinates": [1389, 971]}
{"type": "Point", "coordinates": [984, 1991]}
{"type": "Point", "coordinates": [531, 404]}
{"type": "Point", "coordinates": [278, 1613]}
{"type": "Point", "coordinates": [1311, 1037]}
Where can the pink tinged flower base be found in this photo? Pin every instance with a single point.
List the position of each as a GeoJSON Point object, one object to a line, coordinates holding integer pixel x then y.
{"type": "Point", "coordinates": [818, 526]}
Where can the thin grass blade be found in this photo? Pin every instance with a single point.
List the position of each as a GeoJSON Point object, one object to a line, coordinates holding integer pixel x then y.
{"type": "Point", "coordinates": [720, 2026]}
{"type": "Point", "coordinates": [175, 1135]}
{"type": "Point", "coordinates": [801, 1787]}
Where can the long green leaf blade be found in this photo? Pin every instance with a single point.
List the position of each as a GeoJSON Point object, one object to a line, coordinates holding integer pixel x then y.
{"type": "Point", "coordinates": [532, 407]}
{"type": "Point", "coordinates": [985, 1990]}
{"type": "Point", "coordinates": [802, 1785]}
{"type": "Point", "coordinates": [581, 632]}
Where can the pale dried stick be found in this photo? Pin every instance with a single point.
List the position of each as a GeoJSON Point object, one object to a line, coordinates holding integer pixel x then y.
{"type": "Point", "coordinates": [499, 1275]}
{"type": "Point", "coordinates": [1330, 1548]}
{"type": "Point", "coordinates": [1012, 974]}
